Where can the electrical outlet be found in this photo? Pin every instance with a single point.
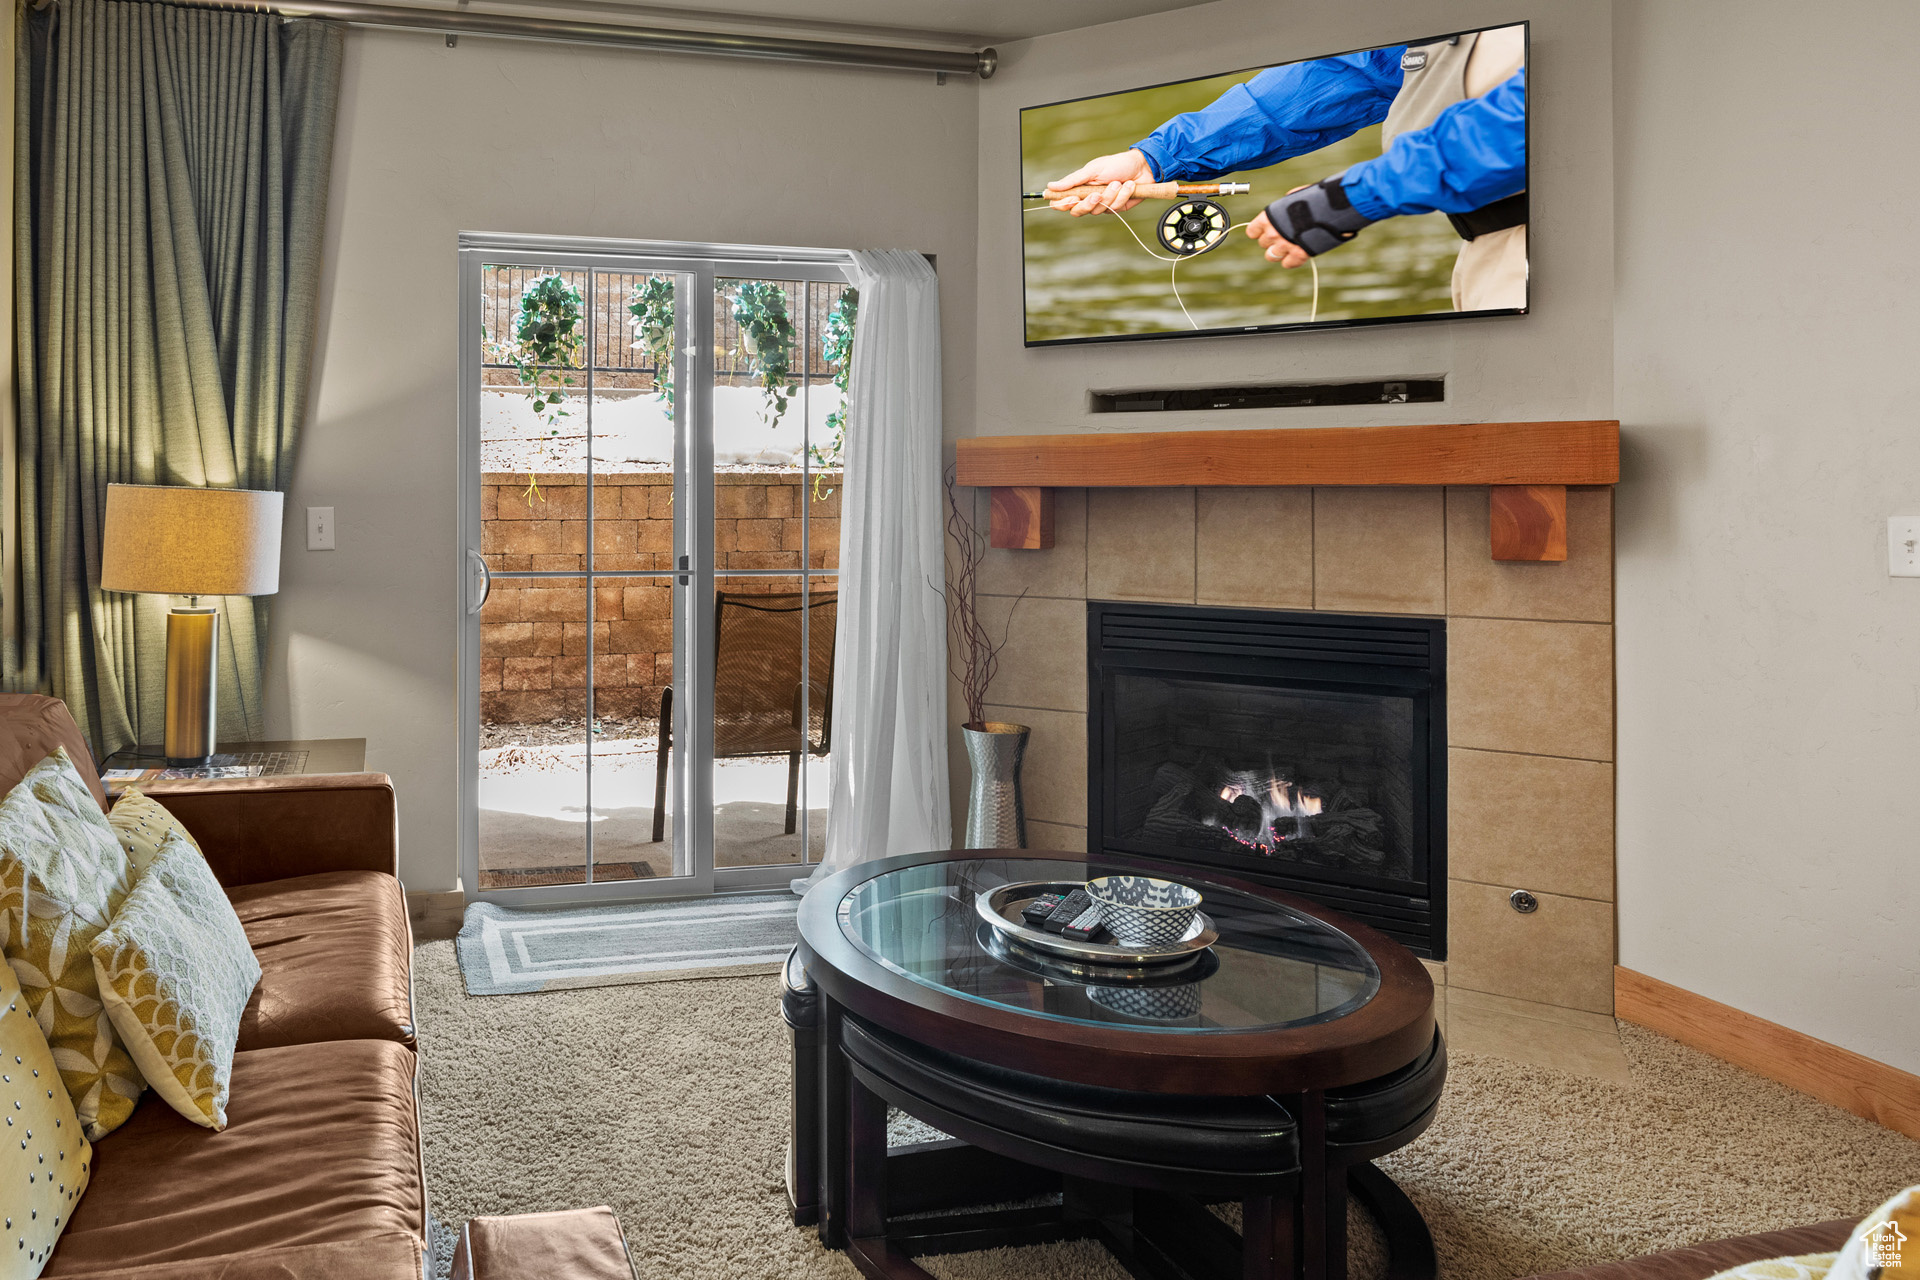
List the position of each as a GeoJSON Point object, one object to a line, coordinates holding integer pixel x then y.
{"type": "Point", "coordinates": [1903, 546]}
{"type": "Point", "coordinates": [319, 528]}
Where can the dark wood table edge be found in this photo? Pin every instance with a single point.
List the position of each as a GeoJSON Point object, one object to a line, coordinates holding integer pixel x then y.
{"type": "Point", "coordinates": [1387, 1032]}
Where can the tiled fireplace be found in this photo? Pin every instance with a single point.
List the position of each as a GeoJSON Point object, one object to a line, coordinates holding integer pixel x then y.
{"type": "Point", "coordinates": [1525, 756]}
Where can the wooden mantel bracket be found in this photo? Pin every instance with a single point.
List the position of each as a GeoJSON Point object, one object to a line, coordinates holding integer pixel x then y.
{"type": "Point", "coordinates": [1526, 465]}
{"type": "Point", "coordinates": [1529, 521]}
{"type": "Point", "coordinates": [1021, 517]}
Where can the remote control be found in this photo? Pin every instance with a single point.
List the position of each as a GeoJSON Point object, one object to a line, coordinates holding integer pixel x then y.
{"type": "Point", "coordinates": [1071, 908]}
{"type": "Point", "coordinates": [1036, 912]}
{"type": "Point", "coordinates": [1085, 927]}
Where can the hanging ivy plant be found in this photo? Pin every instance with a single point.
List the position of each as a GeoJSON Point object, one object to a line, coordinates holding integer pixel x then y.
{"type": "Point", "coordinates": [651, 306]}
{"type": "Point", "coordinates": [836, 347]}
{"type": "Point", "coordinates": [766, 343]}
{"type": "Point", "coordinates": [546, 339]}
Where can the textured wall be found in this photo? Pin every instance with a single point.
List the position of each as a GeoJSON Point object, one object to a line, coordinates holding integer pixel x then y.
{"type": "Point", "coordinates": [1769, 669]}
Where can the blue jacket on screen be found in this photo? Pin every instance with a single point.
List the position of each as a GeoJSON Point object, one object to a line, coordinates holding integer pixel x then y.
{"type": "Point", "coordinates": [1474, 153]}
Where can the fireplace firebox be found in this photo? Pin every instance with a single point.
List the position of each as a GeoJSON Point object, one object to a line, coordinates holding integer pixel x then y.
{"type": "Point", "coordinates": [1306, 751]}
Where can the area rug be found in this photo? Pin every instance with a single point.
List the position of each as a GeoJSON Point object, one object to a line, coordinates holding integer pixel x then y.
{"type": "Point", "coordinates": [504, 951]}
{"type": "Point", "coordinates": [669, 1102]}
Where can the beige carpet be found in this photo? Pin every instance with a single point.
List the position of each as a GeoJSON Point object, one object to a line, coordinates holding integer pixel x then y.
{"type": "Point", "coordinates": [669, 1102]}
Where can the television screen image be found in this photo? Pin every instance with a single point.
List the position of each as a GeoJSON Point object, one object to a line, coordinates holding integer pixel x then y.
{"type": "Point", "coordinates": [1387, 184]}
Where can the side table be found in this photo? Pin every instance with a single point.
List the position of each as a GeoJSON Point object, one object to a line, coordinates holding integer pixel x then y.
{"type": "Point", "coordinates": [131, 766]}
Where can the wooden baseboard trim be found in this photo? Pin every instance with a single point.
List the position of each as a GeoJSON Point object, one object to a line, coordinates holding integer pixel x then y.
{"type": "Point", "coordinates": [1850, 1081]}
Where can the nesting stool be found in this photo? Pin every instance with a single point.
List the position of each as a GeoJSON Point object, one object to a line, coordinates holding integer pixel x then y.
{"type": "Point", "coordinates": [800, 1010]}
{"type": "Point", "coordinates": [574, 1244]}
{"type": "Point", "coordinates": [1104, 1144]}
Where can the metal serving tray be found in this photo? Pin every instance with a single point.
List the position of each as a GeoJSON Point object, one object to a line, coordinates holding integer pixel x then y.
{"type": "Point", "coordinates": [1000, 908]}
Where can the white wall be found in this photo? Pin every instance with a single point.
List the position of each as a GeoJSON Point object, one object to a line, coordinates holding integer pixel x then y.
{"type": "Point", "coordinates": [499, 136]}
{"type": "Point", "coordinates": [1556, 363]}
{"type": "Point", "coordinates": [1765, 325]}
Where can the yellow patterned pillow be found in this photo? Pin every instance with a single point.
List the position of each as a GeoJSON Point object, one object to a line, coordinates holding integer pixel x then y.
{"type": "Point", "coordinates": [62, 876]}
{"type": "Point", "coordinates": [176, 972]}
{"type": "Point", "coordinates": [1808, 1266]}
{"type": "Point", "coordinates": [141, 823]}
{"type": "Point", "coordinates": [44, 1158]}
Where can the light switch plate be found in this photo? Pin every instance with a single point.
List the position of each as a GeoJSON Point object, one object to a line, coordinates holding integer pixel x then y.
{"type": "Point", "coordinates": [1903, 546]}
{"type": "Point", "coordinates": [319, 528]}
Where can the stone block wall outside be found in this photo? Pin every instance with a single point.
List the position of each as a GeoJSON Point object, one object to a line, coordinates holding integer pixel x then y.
{"type": "Point", "coordinates": [533, 631]}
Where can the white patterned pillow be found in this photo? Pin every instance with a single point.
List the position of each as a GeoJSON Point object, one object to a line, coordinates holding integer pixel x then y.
{"type": "Point", "coordinates": [176, 973]}
{"type": "Point", "coordinates": [62, 877]}
{"type": "Point", "coordinates": [1886, 1243]}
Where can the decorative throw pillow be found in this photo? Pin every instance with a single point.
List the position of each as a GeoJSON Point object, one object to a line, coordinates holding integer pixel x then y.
{"type": "Point", "coordinates": [1886, 1243]}
{"type": "Point", "coordinates": [44, 1157]}
{"type": "Point", "coordinates": [62, 876]}
{"type": "Point", "coordinates": [1808, 1266]}
{"type": "Point", "coordinates": [176, 972]}
{"type": "Point", "coordinates": [141, 823]}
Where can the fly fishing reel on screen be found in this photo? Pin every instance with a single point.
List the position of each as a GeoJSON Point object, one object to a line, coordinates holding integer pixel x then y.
{"type": "Point", "coordinates": [1192, 226]}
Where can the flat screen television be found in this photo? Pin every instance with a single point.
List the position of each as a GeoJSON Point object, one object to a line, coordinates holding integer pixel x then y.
{"type": "Point", "coordinates": [1388, 184]}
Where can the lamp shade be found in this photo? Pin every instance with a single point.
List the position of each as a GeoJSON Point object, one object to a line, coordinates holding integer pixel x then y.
{"type": "Point", "coordinates": [177, 541]}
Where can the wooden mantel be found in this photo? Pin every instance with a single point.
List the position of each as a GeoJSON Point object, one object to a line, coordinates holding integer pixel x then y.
{"type": "Point", "coordinates": [1527, 464]}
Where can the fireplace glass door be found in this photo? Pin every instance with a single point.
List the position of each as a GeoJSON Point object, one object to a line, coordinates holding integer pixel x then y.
{"type": "Point", "coordinates": [1321, 777]}
{"type": "Point", "coordinates": [1305, 751]}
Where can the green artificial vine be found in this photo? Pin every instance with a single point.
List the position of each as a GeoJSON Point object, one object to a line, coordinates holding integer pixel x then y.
{"type": "Point", "coordinates": [766, 343]}
{"type": "Point", "coordinates": [836, 347]}
{"type": "Point", "coordinates": [546, 338]}
{"type": "Point", "coordinates": [651, 306]}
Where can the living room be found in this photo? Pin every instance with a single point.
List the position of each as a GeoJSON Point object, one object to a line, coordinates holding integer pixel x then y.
{"type": "Point", "coordinates": [548, 460]}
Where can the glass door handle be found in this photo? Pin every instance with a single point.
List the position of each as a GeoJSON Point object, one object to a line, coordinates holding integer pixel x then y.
{"type": "Point", "coordinates": [486, 581]}
{"type": "Point", "coordinates": [682, 578]}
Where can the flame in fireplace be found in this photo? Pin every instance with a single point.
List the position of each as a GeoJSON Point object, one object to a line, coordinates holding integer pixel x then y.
{"type": "Point", "coordinates": [1286, 810]}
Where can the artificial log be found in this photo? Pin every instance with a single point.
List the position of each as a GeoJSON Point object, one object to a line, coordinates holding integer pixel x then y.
{"type": "Point", "coordinates": [1021, 518]}
{"type": "Point", "coordinates": [1529, 521]}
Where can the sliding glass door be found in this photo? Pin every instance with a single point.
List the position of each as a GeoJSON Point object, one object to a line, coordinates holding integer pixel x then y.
{"type": "Point", "coordinates": [650, 538]}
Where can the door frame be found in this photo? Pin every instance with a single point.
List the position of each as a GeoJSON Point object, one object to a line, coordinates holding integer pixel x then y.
{"type": "Point", "coordinates": [690, 788]}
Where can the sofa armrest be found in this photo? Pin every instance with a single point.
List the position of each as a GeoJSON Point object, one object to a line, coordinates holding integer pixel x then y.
{"type": "Point", "coordinates": [1701, 1261]}
{"type": "Point", "coordinates": [255, 829]}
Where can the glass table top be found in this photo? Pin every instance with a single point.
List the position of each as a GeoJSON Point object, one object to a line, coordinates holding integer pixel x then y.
{"type": "Point", "coordinates": [1272, 968]}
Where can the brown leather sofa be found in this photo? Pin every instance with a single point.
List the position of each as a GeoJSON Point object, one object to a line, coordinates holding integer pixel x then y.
{"type": "Point", "coordinates": [318, 1172]}
{"type": "Point", "coordinates": [1700, 1261]}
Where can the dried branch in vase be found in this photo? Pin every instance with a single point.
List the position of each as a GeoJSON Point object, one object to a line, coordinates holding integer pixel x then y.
{"type": "Point", "coordinates": [973, 655]}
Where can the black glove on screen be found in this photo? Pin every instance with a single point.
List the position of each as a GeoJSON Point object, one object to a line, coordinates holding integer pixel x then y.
{"type": "Point", "coordinates": [1317, 218]}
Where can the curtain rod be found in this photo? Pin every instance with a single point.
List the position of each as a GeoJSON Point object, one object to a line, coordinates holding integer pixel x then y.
{"type": "Point", "coordinates": [463, 22]}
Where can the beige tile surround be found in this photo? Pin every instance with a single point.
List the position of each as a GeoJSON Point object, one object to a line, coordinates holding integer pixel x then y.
{"type": "Point", "coordinates": [1529, 702]}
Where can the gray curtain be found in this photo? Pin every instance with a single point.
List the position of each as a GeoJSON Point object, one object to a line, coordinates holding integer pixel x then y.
{"type": "Point", "coordinates": [170, 195]}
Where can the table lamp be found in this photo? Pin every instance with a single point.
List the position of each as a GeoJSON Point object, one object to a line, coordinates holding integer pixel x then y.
{"type": "Point", "coordinates": [176, 541]}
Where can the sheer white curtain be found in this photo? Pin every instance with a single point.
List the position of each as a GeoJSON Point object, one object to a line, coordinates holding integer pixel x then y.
{"type": "Point", "coordinates": [889, 763]}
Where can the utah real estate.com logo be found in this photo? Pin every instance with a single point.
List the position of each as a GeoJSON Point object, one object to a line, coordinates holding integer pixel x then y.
{"type": "Point", "coordinates": [1883, 1246]}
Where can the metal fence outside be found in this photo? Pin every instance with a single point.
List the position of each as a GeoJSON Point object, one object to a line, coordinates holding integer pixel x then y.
{"type": "Point", "coordinates": [617, 363]}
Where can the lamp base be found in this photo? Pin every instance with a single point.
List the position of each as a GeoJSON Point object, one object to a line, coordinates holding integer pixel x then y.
{"type": "Point", "coordinates": [193, 644]}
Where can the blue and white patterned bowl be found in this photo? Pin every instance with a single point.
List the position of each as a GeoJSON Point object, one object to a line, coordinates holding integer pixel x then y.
{"type": "Point", "coordinates": [1143, 912]}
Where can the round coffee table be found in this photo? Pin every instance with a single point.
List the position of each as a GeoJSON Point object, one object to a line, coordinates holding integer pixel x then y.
{"type": "Point", "coordinates": [1293, 1006]}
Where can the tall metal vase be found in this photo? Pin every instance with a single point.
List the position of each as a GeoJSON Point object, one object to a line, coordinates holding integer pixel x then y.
{"type": "Point", "coordinates": [996, 814]}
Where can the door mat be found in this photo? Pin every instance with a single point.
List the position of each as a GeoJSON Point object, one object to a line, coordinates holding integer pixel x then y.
{"type": "Point", "coordinates": [504, 951]}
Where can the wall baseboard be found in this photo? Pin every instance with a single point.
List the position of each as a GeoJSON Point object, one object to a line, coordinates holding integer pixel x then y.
{"type": "Point", "coordinates": [1850, 1081]}
{"type": "Point", "coordinates": [436, 916]}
